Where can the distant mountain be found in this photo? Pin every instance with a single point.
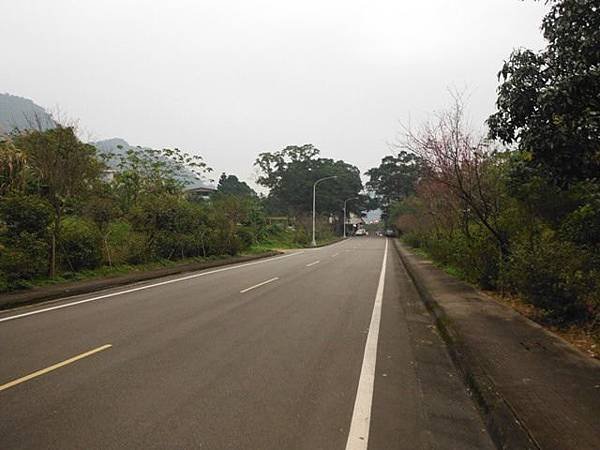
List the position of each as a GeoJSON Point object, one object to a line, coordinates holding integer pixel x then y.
{"type": "Point", "coordinates": [118, 146]}
{"type": "Point", "coordinates": [18, 113]}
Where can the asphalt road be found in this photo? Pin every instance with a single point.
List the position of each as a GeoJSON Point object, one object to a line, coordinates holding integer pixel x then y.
{"type": "Point", "coordinates": [325, 348]}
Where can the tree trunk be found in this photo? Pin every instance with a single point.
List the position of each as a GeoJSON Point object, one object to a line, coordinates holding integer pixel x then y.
{"type": "Point", "coordinates": [52, 265]}
{"type": "Point", "coordinates": [55, 235]}
{"type": "Point", "coordinates": [108, 258]}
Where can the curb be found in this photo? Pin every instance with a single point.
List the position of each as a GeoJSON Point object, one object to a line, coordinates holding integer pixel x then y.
{"type": "Point", "coordinates": [53, 292]}
{"type": "Point", "coordinates": [329, 243]}
{"type": "Point", "coordinates": [505, 428]}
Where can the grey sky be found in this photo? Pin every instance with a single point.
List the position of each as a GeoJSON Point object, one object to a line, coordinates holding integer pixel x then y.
{"type": "Point", "coordinates": [229, 79]}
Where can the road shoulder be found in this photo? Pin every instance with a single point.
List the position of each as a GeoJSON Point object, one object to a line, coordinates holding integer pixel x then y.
{"type": "Point", "coordinates": [419, 393]}
{"type": "Point", "coordinates": [536, 391]}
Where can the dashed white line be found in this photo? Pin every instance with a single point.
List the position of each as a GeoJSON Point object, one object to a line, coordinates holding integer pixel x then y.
{"type": "Point", "coordinates": [358, 437]}
{"type": "Point", "coordinates": [141, 288]}
{"type": "Point", "coordinates": [313, 263]}
{"type": "Point", "coordinates": [258, 285]}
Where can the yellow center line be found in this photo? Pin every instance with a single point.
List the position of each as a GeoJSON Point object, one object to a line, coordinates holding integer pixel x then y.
{"type": "Point", "coordinates": [53, 367]}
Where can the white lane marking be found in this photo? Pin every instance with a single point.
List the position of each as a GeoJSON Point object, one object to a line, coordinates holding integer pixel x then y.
{"type": "Point", "coordinates": [258, 285]}
{"type": "Point", "coordinates": [141, 288]}
{"type": "Point", "coordinates": [313, 263]}
{"type": "Point", "coordinates": [358, 436]}
{"type": "Point", "coordinates": [53, 367]}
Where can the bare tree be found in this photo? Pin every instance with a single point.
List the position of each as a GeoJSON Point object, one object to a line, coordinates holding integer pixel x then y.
{"type": "Point", "coordinates": [463, 161]}
{"type": "Point", "coordinates": [440, 205]}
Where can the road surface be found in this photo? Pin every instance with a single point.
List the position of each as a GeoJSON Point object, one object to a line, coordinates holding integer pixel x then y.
{"type": "Point", "coordinates": [325, 348]}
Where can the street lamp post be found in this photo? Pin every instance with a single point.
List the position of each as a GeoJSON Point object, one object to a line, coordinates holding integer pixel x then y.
{"type": "Point", "coordinates": [314, 242]}
{"type": "Point", "coordinates": [345, 201]}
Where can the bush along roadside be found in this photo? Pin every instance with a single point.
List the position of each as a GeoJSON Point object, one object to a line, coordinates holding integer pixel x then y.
{"type": "Point", "coordinates": [62, 219]}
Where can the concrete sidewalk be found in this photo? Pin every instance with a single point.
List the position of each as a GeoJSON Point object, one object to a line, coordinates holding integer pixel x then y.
{"type": "Point", "coordinates": [535, 390]}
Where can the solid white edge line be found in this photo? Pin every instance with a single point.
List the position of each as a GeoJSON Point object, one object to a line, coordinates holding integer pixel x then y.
{"type": "Point", "coordinates": [259, 285]}
{"type": "Point", "coordinates": [313, 263]}
{"type": "Point", "coordinates": [358, 436]}
{"type": "Point", "coordinates": [141, 288]}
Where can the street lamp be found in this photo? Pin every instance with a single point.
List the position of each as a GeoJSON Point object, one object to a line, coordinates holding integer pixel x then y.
{"type": "Point", "coordinates": [314, 242]}
{"type": "Point", "coordinates": [347, 200]}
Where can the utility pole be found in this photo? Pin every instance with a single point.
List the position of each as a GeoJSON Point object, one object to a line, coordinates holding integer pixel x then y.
{"type": "Point", "coordinates": [314, 242]}
{"type": "Point", "coordinates": [347, 200]}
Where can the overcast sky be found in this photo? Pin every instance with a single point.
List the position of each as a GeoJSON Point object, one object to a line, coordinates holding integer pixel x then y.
{"type": "Point", "coordinates": [228, 79]}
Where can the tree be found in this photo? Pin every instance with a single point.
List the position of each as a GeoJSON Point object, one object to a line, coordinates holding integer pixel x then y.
{"type": "Point", "coordinates": [63, 168]}
{"type": "Point", "coordinates": [231, 185]}
{"type": "Point", "coordinates": [457, 158]}
{"type": "Point", "coordinates": [273, 166]}
{"type": "Point", "coordinates": [24, 222]}
{"type": "Point", "coordinates": [394, 179]}
{"type": "Point", "coordinates": [13, 167]}
{"type": "Point", "coordinates": [291, 172]}
{"type": "Point", "coordinates": [549, 101]}
{"type": "Point", "coordinates": [21, 213]}
{"type": "Point", "coordinates": [103, 208]}
{"type": "Point", "coordinates": [432, 208]}
{"type": "Point", "coordinates": [148, 171]}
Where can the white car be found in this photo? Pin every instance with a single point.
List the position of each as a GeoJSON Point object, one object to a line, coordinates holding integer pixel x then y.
{"type": "Point", "coordinates": [360, 232]}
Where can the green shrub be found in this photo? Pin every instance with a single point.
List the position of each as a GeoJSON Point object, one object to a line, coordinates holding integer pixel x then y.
{"type": "Point", "coordinates": [247, 236]}
{"type": "Point", "coordinates": [479, 260]}
{"type": "Point", "coordinates": [227, 243]}
{"type": "Point", "coordinates": [4, 283]}
{"type": "Point", "coordinates": [554, 276]}
{"type": "Point", "coordinates": [80, 244]}
{"type": "Point", "coordinates": [169, 245]}
{"type": "Point", "coordinates": [413, 239]}
{"type": "Point", "coordinates": [23, 239]}
{"type": "Point", "coordinates": [23, 258]}
{"type": "Point", "coordinates": [136, 250]}
{"type": "Point", "coordinates": [275, 229]}
{"type": "Point", "coordinates": [582, 226]}
{"type": "Point", "coordinates": [25, 213]}
{"type": "Point", "coordinates": [475, 258]}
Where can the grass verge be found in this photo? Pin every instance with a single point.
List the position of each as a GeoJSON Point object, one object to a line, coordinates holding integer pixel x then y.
{"type": "Point", "coordinates": [108, 272]}
{"type": "Point", "coordinates": [286, 244]}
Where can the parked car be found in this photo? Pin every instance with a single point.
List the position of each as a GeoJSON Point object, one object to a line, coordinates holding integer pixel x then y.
{"type": "Point", "coordinates": [360, 232]}
{"type": "Point", "coordinates": [390, 232]}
